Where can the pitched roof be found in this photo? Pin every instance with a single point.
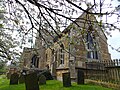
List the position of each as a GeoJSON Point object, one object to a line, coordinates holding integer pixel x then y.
{"type": "Point", "coordinates": [80, 20]}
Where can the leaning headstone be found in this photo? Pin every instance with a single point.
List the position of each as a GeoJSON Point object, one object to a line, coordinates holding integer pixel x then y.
{"type": "Point", "coordinates": [21, 79]}
{"type": "Point", "coordinates": [47, 74]}
{"type": "Point", "coordinates": [31, 81]}
{"type": "Point", "coordinates": [42, 80]}
{"type": "Point", "coordinates": [80, 77]}
{"type": "Point", "coordinates": [66, 79]}
{"type": "Point", "coordinates": [14, 79]}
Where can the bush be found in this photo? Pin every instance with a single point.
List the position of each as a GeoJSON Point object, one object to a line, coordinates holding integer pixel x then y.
{"type": "Point", "coordinates": [3, 76]}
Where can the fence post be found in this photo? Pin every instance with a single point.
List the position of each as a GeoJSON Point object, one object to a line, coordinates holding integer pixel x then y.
{"type": "Point", "coordinates": [114, 62]}
{"type": "Point", "coordinates": [117, 62]}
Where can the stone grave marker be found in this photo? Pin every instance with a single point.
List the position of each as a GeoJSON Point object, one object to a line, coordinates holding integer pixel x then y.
{"type": "Point", "coordinates": [31, 81]}
{"type": "Point", "coordinates": [80, 77]}
{"type": "Point", "coordinates": [21, 79]}
{"type": "Point", "coordinates": [47, 74]}
{"type": "Point", "coordinates": [42, 80]}
{"type": "Point", "coordinates": [14, 79]}
{"type": "Point", "coordinates": [66, 79]}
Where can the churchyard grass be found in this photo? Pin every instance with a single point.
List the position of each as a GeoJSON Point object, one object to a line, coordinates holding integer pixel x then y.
{"type": "Point", "coordinates": [50, 85]}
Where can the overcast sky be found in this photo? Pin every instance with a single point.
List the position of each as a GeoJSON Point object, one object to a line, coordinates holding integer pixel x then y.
{"type": "Point", "coordinates": [114, 41]}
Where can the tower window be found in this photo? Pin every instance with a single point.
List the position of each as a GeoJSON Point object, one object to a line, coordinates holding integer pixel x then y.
{"type": "Point", "coordinates": [61, 56]}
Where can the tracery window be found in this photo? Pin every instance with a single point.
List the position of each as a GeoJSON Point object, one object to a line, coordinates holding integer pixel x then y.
{"type": "Point", "coordinates": [91, 46]}
{"type": "Point", "coordinates": [61, 56]}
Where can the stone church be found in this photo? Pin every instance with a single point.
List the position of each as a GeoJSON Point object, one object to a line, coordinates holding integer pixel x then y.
{"type": "Point", "coordinates": [82, 41]}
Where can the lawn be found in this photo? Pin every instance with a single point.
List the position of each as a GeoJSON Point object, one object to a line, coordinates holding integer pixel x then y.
{"type": "Point", "coordinates": [50, 85]}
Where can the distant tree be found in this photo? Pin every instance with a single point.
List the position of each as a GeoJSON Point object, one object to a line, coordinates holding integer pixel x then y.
{"type": "Point", "coordinates": [1, 64]}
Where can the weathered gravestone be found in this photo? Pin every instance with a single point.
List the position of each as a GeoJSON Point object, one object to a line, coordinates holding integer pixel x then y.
{"type": "Point", "coordinates": [47, 74]}
{"type": "Point", "coordinates": [14, 79]}
{"type": "Point", "coordinates": [80, 77]}
{"type": "Point", "coordinates": [66, 79]}
{"type": "Point", "coordinates": [42, 80]}
{"type": "Point", "coordinates": [31, 81]}
{"type": "Point", "coordinates": [21, 79]}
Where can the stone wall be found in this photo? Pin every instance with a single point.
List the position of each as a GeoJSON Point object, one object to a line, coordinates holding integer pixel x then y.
{"type": "Point", "coordinates": [105, 55]}
{"type": "Point", "coordinates": [26, 57]}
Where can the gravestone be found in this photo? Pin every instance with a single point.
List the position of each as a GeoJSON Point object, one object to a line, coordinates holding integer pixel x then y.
{"type": "Point", "coordinates": [42, 80]}
{"type": "Point", "coordinates": [31, 81]}
{"type": "Point", "coordinates": [21, 79]}
{"type": "Point", "coordinates": [66, 79]}
{"type": "Point", "coordinates": [47, 74]}
{"type": "Point", "coordinates": [80, 77]}
{"type": "Point", "coordinates": [14, 79]}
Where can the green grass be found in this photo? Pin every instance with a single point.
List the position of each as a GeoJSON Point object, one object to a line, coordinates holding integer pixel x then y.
{"type": "Point", "coordinates": [57, 85]}
{"type": "Point", "coordinates": [50, 85]}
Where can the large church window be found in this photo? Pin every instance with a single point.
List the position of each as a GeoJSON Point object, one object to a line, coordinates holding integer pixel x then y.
{"type": "Point", "coordinates": [91, 46]}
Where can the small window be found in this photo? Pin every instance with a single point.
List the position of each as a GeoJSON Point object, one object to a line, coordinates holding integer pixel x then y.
{"type": "Point", "coordinates": [61, 56]}
{"type": "Point", "coordinates": [34, 61]}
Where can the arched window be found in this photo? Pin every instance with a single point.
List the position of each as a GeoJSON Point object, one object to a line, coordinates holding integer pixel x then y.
{"type": "Point", "coordinates": [92, 52]}
{"type": "Point", "coordinates": [90, 43]}
{"type": "Point", "coordinates": [34, 61]}
{"type": "Point", "coordinates": [61, 56]}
